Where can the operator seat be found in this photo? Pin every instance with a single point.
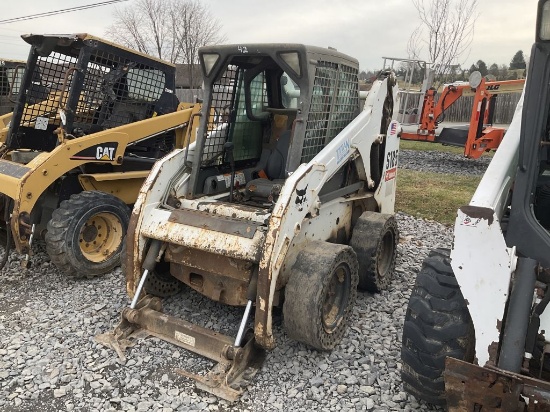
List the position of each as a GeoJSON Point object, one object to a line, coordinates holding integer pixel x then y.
{"type": "Point", "coordinates": [276, 162]}
{"type": "Point", "coordinates": [274, 173]}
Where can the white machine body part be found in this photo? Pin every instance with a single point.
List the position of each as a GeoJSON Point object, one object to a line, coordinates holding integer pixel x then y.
{"type": "Point", "coordinates": [482, 262]}
{"type": "Point", "coordinates": [298, 198]}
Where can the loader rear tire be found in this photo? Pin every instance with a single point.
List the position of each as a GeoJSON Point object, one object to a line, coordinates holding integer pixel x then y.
{"type": "Point", "coordinates": [162, 284]}
{"type": "Point", "coordinates": [374, 240]}
{"type": "Point", "coordinates": [85, 234]}
{"type": "Point", "coordinates": [320, 294]}
{"type": "Point", "coordinates": [437, 325]}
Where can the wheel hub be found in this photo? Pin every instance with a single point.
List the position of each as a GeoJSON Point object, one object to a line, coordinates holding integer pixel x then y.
{"type": "Point", "coordinates": [89, 233]}
{"type": "Point", "coordinates": [100, 236]}
{"type": "Point", "coordinates": [336, 298]}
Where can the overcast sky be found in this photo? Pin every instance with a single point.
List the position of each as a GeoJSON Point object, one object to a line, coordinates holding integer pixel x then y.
{"type": "Point", "coordinates": [364, 29]}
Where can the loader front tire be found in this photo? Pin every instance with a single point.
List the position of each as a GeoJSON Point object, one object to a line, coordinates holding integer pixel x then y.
{"type": "Point", "coordinates": [85, 234]}
{"type": "Point", "coordinates": [374, 240]}
{"type": "Point", "coordinates": [437, 325]}
{"type": "Point", "coordinates": [320, 294]}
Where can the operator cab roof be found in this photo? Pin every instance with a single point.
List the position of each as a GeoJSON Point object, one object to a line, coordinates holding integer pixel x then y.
{"type": "Point", "coordinates": [12, 62]}
{"type": "Point", "coordinates": [245, 53]}
{"type": "Point", "coordinates": [71, 44]}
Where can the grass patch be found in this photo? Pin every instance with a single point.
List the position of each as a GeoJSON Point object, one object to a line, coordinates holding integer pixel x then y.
{"type": "Point", "coordinates": [433, 196]}
{"type": "Point", "coordinates": [427, 146]}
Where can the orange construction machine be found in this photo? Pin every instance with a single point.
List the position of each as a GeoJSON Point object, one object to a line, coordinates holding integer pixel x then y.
{"type": "Point", "coordinates": [479, 136]}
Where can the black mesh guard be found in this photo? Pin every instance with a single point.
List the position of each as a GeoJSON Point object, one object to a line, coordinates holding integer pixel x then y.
{"type": "Point", "coordinates": [221, 107]}
{"type": "Point", "coordinates": [96, 96]}
{"type": "Point", "coordinates": [334, 104]}
{"type": "Point", "coordinates": [229, 121]}
{"type": "Point", "coordinates": [10, 79]}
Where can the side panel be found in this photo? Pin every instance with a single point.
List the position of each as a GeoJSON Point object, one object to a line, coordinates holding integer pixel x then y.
{"type": "Point", "coordinates": [483, 266]}
{"type": "Point", "coordinates": [385, 194]}
{"type": "Point", "coordinates": [333, 223]}
{"type": "Point", "coordinates": [163, 175]}
{"type": "Point", "coordinates": [124, 185]}
{"type": "Point", "coordinates": [481, 260]}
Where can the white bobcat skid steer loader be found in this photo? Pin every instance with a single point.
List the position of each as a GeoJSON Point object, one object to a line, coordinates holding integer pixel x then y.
{"type": "Point", "coordinates": [288, 193]}
{"type": "Point", "coordinates": [476, 333]}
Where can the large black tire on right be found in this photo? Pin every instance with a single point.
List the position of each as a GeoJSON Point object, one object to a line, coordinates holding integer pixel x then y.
{"type": "Point", "coordinates": [320, 294]}
{"type": "Point", "coordinates": [437, 325]}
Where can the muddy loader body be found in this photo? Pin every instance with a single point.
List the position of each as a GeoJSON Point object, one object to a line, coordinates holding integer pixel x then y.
{"type": "Point", "coordinates": [286, 199]}
{"type": "Point", "coordinates": [82, 138]}
{"type": "Point", "coordinates": [476, 329]}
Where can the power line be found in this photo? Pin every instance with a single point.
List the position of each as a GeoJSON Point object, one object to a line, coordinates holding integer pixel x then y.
{"type": "Point", "coordinates": [61, 11]}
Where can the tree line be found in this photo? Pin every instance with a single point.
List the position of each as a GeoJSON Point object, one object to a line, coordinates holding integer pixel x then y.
{"type": "Point", "coordinates": [515, 70]}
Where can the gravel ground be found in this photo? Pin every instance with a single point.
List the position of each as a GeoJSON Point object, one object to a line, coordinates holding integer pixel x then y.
{"type": "Point", "coordinates": [49, 360]}
{"type": "Point", "coordinates": [440, 162]}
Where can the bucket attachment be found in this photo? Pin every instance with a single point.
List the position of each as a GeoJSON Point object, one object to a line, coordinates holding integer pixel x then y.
{"type": "Point", "coordinates": [470, 387]}
{"type": "Point", "coordinates": [453, 136]}
{"type": "Point", "coordinates": [235, 367]}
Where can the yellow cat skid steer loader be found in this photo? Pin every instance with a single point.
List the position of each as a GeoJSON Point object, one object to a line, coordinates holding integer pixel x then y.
{"type": "Point", "coordinates": [90, 120]}
{"type": "Point", "coordinates": [286, 199]}
{"type": "Point", "coordinates": [477, 329]}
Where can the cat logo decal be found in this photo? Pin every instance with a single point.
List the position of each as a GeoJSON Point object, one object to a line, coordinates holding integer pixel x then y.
{"type": "Point", "coordinates": [104, 152]}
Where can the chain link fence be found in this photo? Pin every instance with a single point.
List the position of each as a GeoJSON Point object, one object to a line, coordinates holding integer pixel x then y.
{"type": "Point", "coordinates": [461, 110]}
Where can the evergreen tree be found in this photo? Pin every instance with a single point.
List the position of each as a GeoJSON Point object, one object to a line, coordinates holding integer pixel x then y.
{"type": "Point", "coordinates": [518, 61]}
{"type": "Point", "coordinates": [503, 75]}
{"type": "Point", "coordinates": [494, 70]}
{"type": "Point", "coordinates": [482, 67]}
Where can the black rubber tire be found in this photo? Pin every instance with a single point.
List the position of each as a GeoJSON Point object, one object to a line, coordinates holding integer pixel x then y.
{"type": "Point", "coordinates": [162, 284]}
{"type": "Point", "coordinates": [316, 277]}
{"type": "Point", "coordinates": [437, 325]}
{"type": "Point", "coordinates": [374, 239]}
{"type": "Point", "coordinates": [64, 231]}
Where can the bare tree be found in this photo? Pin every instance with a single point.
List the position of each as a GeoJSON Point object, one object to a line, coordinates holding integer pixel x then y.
{"type": "Point", "coordinates": [193, 27]}
{"type": "Point", "coordinates": [141, 27]}
{"type": "Point", "coordinates": [172, 30]}
{"type": "Point", "coordinates": [414, 46]}
{"type": "Point", "coordinates": [446, 28]}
